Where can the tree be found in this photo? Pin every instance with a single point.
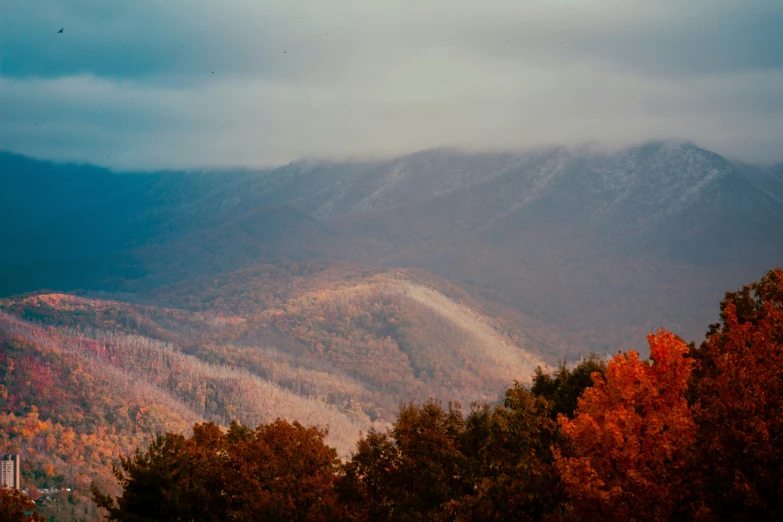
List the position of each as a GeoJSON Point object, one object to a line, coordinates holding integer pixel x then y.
{"type": "Point", "coordinates": [279, 471]}
{"type": "Point", "coordinates": [631, 436]}
{"type": "Point", "coordinates": [414, 470]}
{"type": "Point", "coordinates": [433, 464]}
{"type": "Point", "coordinates": [16, 507]}
{"type": "Point", "coordinates": [175, 479]}
{"type": "Point", "coordinates": [738, 395]}
{"type": "Point", "coordinates": [368, 486]}
{"type": "Point", "coordinates": [518, 481]}
{"type": "Point", "coordinates": [564, 387]}
{"type": "Point", "coordinates": [33, 493]}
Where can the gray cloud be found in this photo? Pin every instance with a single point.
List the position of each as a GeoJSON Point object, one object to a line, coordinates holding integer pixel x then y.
{"type": "Point", "coordinates": [150, 84]}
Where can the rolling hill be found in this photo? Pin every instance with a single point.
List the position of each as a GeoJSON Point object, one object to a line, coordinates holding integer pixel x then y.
{"type": "Point", "coordinates": [85, 379]}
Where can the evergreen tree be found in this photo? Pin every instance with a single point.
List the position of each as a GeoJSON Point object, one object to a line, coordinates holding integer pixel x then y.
{"type": "Point", "coordinates": [565, 385]}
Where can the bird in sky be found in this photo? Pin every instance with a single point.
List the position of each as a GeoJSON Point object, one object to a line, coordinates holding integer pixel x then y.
{"type": "Point", "coordinates": [61, 30]}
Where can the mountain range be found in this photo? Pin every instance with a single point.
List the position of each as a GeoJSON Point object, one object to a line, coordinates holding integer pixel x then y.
{"type": "Point", "coordinates": [601, 246]}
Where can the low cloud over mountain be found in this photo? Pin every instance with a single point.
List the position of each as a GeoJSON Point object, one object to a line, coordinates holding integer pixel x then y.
{"type": "Point", "coordinates": [255, 83]}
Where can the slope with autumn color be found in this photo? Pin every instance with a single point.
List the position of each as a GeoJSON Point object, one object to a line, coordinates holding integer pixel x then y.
{"type": "Point", "coordinates": [399, 331]}
{"type": "Point", "coordinates": [328, 344]}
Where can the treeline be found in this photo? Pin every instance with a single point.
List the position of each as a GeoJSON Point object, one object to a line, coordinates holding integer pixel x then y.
{"type": "Point", "coordinates": [693, 433]}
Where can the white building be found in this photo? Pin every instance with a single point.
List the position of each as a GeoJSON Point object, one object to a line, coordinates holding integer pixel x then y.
{"type": "Point", "coordinates": [10, 475]}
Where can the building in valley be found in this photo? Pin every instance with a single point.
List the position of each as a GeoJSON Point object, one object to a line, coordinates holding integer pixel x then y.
{"type": "Point", "coordinates": [10, 475]}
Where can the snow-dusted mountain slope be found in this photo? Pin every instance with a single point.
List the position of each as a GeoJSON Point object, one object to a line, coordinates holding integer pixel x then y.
{"type": "Point", "coordinates": [585, 240]}
{"type": "Point", "coordinates": [633, 190]}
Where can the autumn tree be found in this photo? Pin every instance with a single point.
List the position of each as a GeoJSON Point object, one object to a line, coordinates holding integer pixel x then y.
{"type": "Point", "coordinates": [631, 436]}
{"type": "Point", "coordinates": [279, 471]}
{"type": "Point", "coordinates": [739, 405]}
{"type": "Point", "coordinates": [367, 487]}
{"type": "Point", "coordinates": [434, 464]}
{"type": "Point", "coordinates": [16, 507]}
{"type": "Point", "coordinates": [176, 478]}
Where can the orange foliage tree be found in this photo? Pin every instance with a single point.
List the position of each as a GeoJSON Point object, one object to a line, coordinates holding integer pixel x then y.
{"type": "Point", "coordinates": [280, 471]}
{"type": "Point", "coordinates": [630, 438]}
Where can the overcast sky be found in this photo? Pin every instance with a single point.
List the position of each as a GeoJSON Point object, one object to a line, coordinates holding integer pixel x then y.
{"type": "Point", "coordinates": [187, 83]}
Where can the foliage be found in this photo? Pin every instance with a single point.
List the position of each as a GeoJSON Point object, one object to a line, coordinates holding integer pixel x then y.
{"type": "Point", "coordinates": [691, 433]}
{"type": "Point", "coordinates": [327, 343]}
{"type": "Point", "coordinates": [15, 506]}
{"type": "Point", "coordinates": [411, 471]}
{"type": "Point", "coordinates": [279, 471]}
{"type": "Point", "coordinates": [564, 387]}
{"type": "Point", "coordinates": [67, 420]}
{"type": "Point", "coordinates": [517, 480]}
{"type": "Point", "coordinates": [631, 436]}
{"type": "Point", "coordinates": [435, 464]}
{"type": "Point", "coordinates": [282, 471]}
{"type": "Point", "coordinates": [739, 408]}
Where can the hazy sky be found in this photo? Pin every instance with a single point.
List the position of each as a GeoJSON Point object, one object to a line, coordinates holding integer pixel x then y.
{"type": "Point", "coordinates": [183, 83]}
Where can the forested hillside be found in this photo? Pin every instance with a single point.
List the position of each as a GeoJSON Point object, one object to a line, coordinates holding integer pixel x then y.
{"type": "Point", "coordinates": [331, 344]}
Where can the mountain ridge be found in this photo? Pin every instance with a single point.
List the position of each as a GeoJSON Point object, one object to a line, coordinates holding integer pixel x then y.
{"type": "Point", "coordinates": [556, 233]}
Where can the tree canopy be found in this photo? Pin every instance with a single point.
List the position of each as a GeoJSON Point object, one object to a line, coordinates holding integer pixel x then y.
{"type": "Point", "coordinates": [278, 471]}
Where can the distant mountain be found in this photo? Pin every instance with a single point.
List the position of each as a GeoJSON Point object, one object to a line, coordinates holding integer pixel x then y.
{"type": "Point", "coordinates": [660, 195]}
{"type": "Point", "coordinates": [602, 246]}
{"type": "Point", "coordinates": [72, 226]}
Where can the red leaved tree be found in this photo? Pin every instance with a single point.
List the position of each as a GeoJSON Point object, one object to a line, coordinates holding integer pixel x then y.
{"type": "Point", "coordinates": [16, 507]}
{"type": "Point", "coordinates": [739, 405]}
{"type": "Point", "coordinates": [630, 438]}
